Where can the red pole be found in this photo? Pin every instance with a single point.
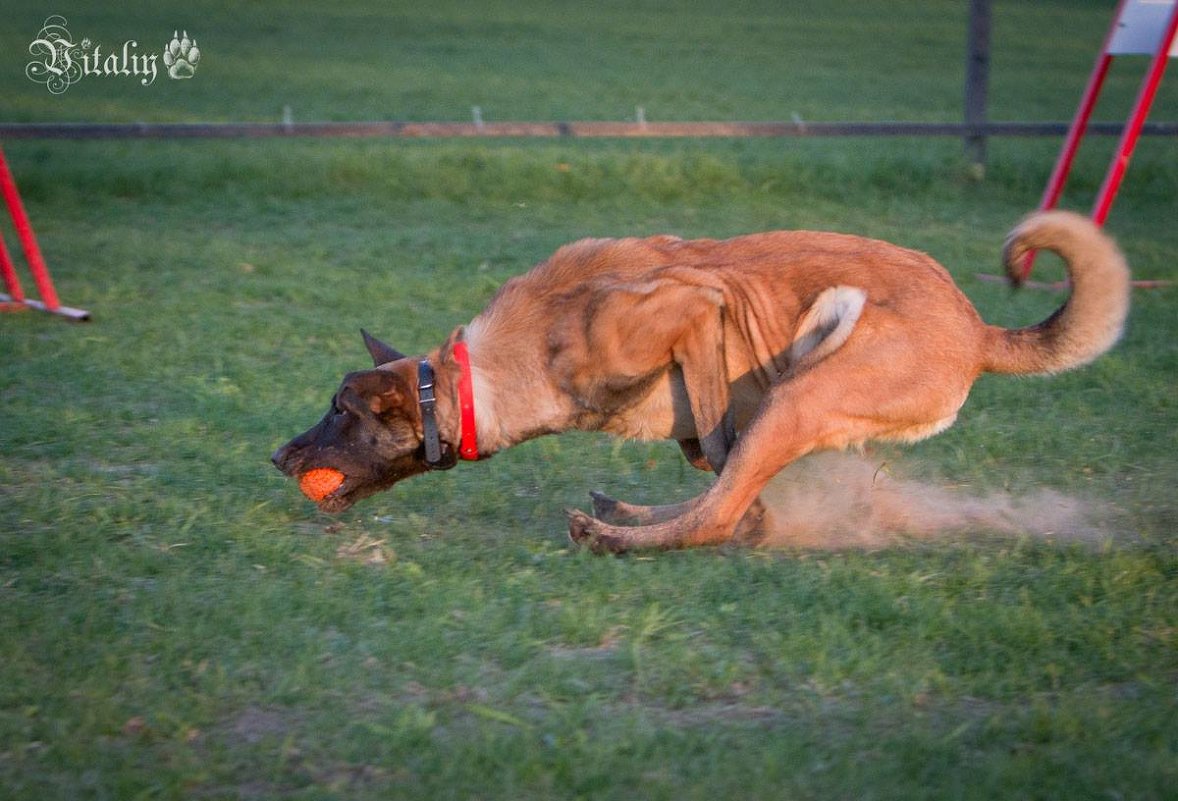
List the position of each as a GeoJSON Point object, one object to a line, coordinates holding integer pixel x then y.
{"type": "Point", "coordinates": [24, 230]}
{"type": "Point", "coordinates": [10, 280]}
{"type": "Point", "coordinates": [1063, 165]}
{"type": "Point", "coordinates": [1076, 132]}
{"type": "Point", "coordinates": [1149, 88]}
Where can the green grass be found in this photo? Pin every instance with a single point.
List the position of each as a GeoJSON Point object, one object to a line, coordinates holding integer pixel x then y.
{"type": "Point", "coordinates": [178, 622]}
{"type": "Point", "coordinates": [683, 60]}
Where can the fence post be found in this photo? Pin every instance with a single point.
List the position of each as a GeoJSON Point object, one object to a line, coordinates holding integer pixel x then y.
{"type": "Point", "coordinates": [977, 79]}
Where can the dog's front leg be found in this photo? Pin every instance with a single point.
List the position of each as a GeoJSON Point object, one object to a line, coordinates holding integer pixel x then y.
{"type": "Point", "coordinates": [700, 356]}
{"type": "Point", "coordinates": [633, 332]}
{"type": "Point", "coordinates": [693, 452]}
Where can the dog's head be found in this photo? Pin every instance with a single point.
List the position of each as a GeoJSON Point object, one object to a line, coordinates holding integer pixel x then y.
{"type": "Point", "coordinates": [372, 433]}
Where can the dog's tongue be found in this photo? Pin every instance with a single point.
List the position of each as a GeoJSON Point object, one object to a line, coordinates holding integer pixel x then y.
{"type": "Point", "coordinates": [317, 484]}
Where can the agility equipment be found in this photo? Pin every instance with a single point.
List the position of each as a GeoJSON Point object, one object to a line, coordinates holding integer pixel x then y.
{"type": "Point", "coordinates": [1139, 27]}
{"type": "Point", "coordinates": [15, 300]}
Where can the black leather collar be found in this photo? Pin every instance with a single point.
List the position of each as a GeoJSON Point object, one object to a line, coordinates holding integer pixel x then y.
{"type": "Point", "coordinates": [438, 454]}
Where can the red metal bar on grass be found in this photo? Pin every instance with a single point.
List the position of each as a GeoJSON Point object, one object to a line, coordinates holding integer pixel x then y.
{"type": "Point", "coordinates": [24, 230]}
{"type": "Point", "coordinates": [11, 282]}
{"type": "Point", "coordinates": [1149, 89]}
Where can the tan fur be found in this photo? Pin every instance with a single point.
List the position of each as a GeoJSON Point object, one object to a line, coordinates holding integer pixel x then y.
{"type": "Point", "coordinates": [755, 351]}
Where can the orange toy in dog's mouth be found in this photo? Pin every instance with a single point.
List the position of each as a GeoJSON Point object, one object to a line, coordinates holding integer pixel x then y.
{"type": "Point", "coordinates": [317, 484]}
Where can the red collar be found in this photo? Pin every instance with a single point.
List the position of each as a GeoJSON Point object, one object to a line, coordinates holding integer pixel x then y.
{"type": "Point", "coordinates": [468, 446]}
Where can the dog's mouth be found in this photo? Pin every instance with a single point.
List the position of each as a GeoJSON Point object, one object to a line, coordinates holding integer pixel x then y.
{"type": "Point", "coordinates": [355, 481]}
{"type": "Point", "coordinates": [357, 488]}
{"type": "Point", "coordinates": [350, 486]}
{"type": "Point", "coordinates": [343, 497]}
{"type": "Point", "coordinates": [335, 501]}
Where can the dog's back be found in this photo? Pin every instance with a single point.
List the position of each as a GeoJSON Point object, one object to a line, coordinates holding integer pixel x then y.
{"type": "Point", "coordinates": [769, 281]}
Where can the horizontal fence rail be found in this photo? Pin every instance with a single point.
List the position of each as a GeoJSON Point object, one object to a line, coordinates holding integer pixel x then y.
{"type": "Point", "coordinates": [574, 130]}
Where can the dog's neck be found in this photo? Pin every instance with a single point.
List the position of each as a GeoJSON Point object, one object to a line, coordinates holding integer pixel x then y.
{"type": "Point", "coordinates": [500, 376]}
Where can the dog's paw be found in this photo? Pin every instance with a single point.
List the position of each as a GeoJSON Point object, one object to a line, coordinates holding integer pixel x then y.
{"type": "Point", "coordinates": [587, 532]}
{"type": "Point", "coordinates": [181, 57]}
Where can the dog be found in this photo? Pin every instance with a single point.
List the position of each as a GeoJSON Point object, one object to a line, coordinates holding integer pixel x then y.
{"type": "Point", "coordinates": [750, 352]}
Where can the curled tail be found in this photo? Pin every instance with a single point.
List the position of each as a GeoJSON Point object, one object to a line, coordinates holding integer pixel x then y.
{"type": "Point", "coordinates": [1089, 322]}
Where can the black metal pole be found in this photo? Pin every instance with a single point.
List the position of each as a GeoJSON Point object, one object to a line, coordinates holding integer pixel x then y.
{"type": "Point", "coordinates": [977, 79]}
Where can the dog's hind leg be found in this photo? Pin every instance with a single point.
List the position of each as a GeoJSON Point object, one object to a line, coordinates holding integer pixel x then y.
{"type": "Point", "coordinates": [719, 514]}
{"type": "Point", "coordinates": [836, 403]}
{"type": "Point", "coordinates": [821, 331]}
{"type": "Point", "coordinates": [796, 417]}
{"type": "Point", "coordinates": [823, 402]}
{"type": "Point", "coordinates": [882, 386]}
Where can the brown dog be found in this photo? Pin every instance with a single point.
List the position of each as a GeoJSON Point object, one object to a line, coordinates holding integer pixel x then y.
{"type": "Point", "coordinates": [751, 352]}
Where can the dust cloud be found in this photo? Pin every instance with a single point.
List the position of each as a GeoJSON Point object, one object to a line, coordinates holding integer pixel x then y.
{"type": "Point", "coordinates": [846, 500]}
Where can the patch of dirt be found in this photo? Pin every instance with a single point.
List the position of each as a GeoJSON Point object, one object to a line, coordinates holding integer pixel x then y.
{"type": "Point", "coordinates": [845, 500]}
{"type": "Point", "coordinates": [367, 550]}
{"type": "Point", "coordinates": [284, 733]}
{"type": "Point", "coordinates": [255, 724]}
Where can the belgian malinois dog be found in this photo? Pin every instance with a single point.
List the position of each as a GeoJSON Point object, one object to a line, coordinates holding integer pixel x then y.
{"type": "Point", "coordinates": [750, 352]}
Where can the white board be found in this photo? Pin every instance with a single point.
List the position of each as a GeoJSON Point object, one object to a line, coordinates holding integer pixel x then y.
{"type": "Point", "coordinates": [1140, 27]}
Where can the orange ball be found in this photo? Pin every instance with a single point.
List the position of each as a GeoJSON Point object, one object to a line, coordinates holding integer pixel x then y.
{"type": "Point", "coordinates": [317, 484]}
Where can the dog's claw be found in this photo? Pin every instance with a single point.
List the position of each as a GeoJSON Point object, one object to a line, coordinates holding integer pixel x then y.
{"type": "Point", "coordinates": [586, 531]}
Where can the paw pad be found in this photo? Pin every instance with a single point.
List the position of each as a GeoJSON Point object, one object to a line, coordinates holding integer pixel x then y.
{"type": "Point", "coordinates": [181, 55]}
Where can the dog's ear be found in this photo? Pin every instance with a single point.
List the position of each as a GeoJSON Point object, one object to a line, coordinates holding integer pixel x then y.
{"type": "Point", "coordinates": [380, 352]}
{"type": "Point", "coordinates": [379, 390]}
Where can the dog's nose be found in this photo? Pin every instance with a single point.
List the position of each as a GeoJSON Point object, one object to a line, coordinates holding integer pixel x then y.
{"type": "Point", "coordinates": [279, 457]}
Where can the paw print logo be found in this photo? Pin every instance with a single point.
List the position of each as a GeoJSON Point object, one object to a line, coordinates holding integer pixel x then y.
{"type": "Point", "coordinates": [181, 56]}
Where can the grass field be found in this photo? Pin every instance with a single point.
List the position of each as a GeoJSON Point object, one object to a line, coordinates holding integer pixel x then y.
{"type": "Point", "coordinates": [179, 623]}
